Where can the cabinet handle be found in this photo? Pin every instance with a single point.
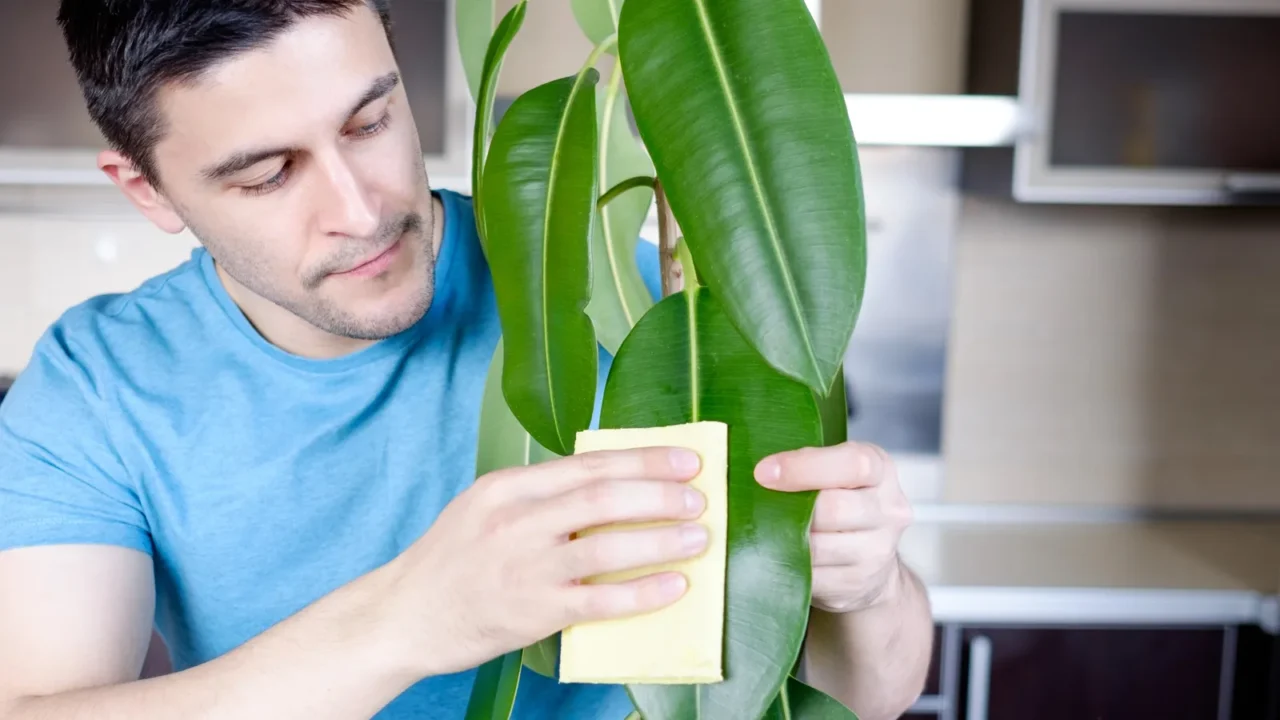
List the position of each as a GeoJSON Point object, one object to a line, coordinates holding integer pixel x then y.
{"type": "Point", "coordinates": [979, 678]}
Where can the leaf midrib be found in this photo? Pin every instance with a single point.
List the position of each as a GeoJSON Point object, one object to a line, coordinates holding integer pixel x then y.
{"type": "Point", "coordinates": [546, 242]}
{"type": "Point", "coordinates": [756, 185]}
{"type": "Point", "coordinates": [694, 388]}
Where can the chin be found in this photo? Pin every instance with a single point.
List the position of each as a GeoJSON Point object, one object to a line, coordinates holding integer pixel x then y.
{"type": "Point", "coordinates": [389, 321]}
{"type": "Point", "coordinates": [374, 318]}
{"type": "Point", "coordinates": [376, 308]}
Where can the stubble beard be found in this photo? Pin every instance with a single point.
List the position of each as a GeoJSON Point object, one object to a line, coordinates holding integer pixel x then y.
{"type": "Point", "coordinates": [333, 318]}
{"type": "Point", "coordinates": [326, 314]}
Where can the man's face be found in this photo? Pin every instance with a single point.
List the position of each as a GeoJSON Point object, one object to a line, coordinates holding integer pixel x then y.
{"type": "Point", "coordinates": [298, 166]}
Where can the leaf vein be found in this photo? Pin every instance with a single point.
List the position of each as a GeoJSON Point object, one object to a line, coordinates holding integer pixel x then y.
{"type": "Point", "coordinates": [756, 184]}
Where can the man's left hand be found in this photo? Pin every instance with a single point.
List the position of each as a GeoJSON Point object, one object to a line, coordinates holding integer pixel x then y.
{"type": "Point", "coordinates": [860, 514]}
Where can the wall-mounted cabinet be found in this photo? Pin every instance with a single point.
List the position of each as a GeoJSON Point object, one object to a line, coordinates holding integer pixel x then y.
{"type": "Point", "coordinates": [47, 138]}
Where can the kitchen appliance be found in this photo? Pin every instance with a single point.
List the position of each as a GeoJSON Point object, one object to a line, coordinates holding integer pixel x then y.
{"type": "Point", "coordinates": [1149, 102]}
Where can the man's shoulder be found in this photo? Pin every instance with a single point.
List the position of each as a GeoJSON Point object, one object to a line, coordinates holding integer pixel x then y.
{"type": "Point", "coordinates": [97, 332]}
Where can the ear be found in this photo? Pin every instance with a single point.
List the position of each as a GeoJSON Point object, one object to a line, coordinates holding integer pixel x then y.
{"type": "Point", "coordinates": [144, 196]}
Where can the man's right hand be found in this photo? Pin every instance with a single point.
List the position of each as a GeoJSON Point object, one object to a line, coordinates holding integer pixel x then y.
{"type": "Point", "coordinates": [497, 571]}
{"type": "Point", "coordinates": [501, 568]}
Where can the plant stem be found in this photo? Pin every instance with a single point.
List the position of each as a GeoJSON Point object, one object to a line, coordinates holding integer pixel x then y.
{"type": "Point", "coordinates": [625, 185]}
{"type": "Point", "coordinates": [668, 233]}
{"type": "Point", "coordinates": [599, 50]}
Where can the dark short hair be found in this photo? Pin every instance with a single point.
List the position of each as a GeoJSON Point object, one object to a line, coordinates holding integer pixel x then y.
{"type": "Point", "coordinates": [124, 51]}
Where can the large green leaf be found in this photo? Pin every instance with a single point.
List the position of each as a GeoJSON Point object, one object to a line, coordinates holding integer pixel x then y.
{"type": "Point", "coordinates": [504, 443]}
{"type": "Point", "coordinates": [618, 295]}
{"type": "Point", "coordinates": [540, 189]}
{"type": "Point", "coordinates": [597, 18]}
{"type": "Point", "coordinates": [473, 23]}
{"type": "Point", "coordinates": [493, 694]}
{"type": "Point", "coordinates": [835, 412]}
{"type": "Point", "coordinates": [543, 657]}
{"type": "Point", "coordinates": [797, 701]}
{"type": "Point", "coordinates": [741, 110]}
{"type": "Point", "coordinates": [493, 58]}
{"type": "Point", "coordinates": [684, 362]}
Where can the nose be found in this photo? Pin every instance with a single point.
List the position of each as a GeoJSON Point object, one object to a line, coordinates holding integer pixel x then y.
{"type": "Point", "coordinates": [346, 206]}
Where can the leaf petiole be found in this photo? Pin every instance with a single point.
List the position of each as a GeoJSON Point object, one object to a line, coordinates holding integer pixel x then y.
{"type": "Point", "coordinates": [625, 185]}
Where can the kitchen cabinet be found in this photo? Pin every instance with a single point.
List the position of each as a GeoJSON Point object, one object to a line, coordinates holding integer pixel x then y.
{"type": "Point", "coordinates": [1066, 672]}
{"type": "Point", "coordinates": [47, 137]}
{"type": "Point", "coordinates": [1071, 673]}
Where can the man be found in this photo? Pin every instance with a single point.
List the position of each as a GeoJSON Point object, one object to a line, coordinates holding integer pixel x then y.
{"type": "Point", "coordinates": [268, 451]}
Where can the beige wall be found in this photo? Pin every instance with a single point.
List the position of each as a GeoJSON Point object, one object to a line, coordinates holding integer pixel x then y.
{"type": "Point", "coordinates": [550, 45]}
{"type": "Point", "coordinates": [876, 46]}
{"type": "Point", "coordinates": [897, 46]}
{"type": "Point", "coordinates": [1121, 356]}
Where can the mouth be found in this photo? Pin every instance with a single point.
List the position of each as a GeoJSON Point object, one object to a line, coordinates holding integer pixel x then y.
{"type": "Point", "coordinates": [375, 265]}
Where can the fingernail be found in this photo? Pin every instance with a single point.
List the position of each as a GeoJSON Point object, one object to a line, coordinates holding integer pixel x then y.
{"type": "Point", "coordinates": [685, 462]}
{"type": "Point", "coordinates": [694, 501]}
{"type": "Point", "coordinates": [693, 537]}
{"type": "Point", "coordinates": [768, 472]}
{"type": "Point", "coordinates": [674, 584]}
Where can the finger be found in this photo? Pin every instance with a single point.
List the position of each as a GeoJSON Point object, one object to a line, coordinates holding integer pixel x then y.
{"type": "Point", "coordinates": [607, 601]}
{"type": "Point", "coordinates": [555, 477]}
{"type": "Point", "coordinates": [840, 549]}
{"type": "Point", "coordinates": [615, 501]}
{"type": "Point", "coordinates": [848, 465]}
{"type": "Point", "coordinates": [617, 551]}
{"type": "Point", "coordinates": [846, 510]}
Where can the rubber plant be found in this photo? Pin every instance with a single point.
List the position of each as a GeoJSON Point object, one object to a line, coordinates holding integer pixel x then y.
{"type": "Point", "coordinates": [745, 146]}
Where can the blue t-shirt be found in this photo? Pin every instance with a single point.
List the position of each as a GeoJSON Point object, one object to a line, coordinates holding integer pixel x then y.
{"type": "Point", "coordinates": [258, 480]}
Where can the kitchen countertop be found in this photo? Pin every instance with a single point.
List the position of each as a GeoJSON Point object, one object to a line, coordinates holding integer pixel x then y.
{"type": "Point", "coordinates": [1163, 572]}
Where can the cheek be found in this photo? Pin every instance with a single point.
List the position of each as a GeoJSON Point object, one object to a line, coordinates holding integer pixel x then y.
{"type": "Point", "coordinates": [262, 238]}
{"type": "Point", "coordinates": [395, 166]}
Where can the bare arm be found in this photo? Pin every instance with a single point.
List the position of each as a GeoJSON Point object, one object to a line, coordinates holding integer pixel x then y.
{"type": "Point", "coordinates": [75, 623]}
{"type": "Point", "coordinates": [874, 660]}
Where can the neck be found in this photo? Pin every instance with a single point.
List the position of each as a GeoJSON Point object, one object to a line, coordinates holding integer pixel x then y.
{"type": "Point", "coordinates": [296, 336]}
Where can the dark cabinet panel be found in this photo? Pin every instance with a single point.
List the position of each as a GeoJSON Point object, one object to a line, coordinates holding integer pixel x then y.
{"type": "Point", "coordinates": [1256, 695]}
{"type": "Point", "coordinates": [42, 107]}
{"type": "Point", "coordinates": [933, 683]}
{"type": "Point", "coordinates": [1095, 673]}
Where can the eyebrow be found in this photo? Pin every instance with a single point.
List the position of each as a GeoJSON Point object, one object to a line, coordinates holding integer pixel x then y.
{"type": "Point", "coordinates": [243, 160]}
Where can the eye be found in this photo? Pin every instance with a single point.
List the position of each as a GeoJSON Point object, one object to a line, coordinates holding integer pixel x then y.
{"type": "Point", "coordinates": [271, 183]}
{"type": "Point", "coordinates": [373, 128]}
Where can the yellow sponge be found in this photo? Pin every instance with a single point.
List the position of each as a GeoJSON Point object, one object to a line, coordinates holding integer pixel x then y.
{"type": "Point", "coordinates": [681, 643]}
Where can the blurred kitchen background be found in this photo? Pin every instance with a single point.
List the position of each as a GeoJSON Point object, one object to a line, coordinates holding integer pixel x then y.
{"type": "Point", "coordinates": [1071, 333]}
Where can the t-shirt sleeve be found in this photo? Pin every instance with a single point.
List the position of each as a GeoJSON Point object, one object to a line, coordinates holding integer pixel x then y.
{"type": "Point", "coordinates": [61, 480]}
